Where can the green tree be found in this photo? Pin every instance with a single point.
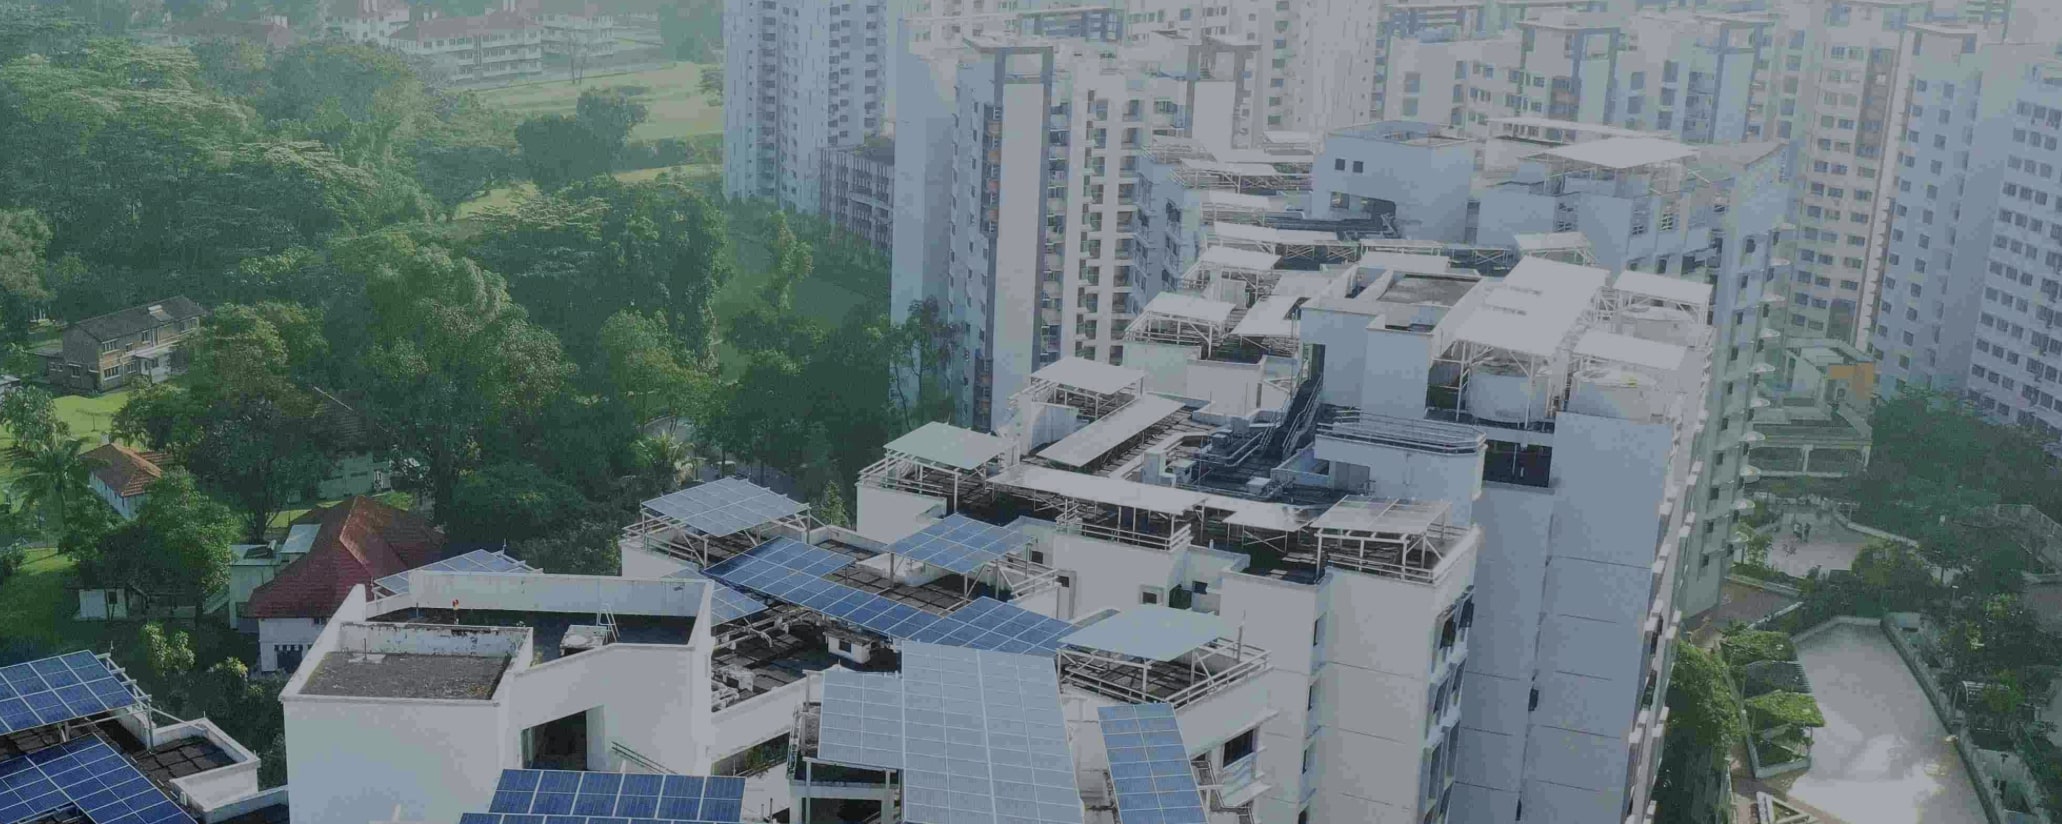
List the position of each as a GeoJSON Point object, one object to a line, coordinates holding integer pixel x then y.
{"type": "Point", "coordinates": [454, 365]}
{"type": "Point", "coordinates": [560, 149]}
{"type": "Point", "coordinates": [641, 363]}
{"type": "Point", "coordinates": [508, 501]}
{"type": "Point", "coordinates": [1703, 726]}
{"type": "Point", "coordinates": [24, 236]}
{"type": "Point", "coordinates": [50, 476]}
{"type": "Point", "coordinates": [30, 414]}
{"type": "Point", "coordinates": [170, 654]}
{"type": "Point", "coordinates": [712, 85]}
{"type": "Point", "coordinates": [242, 423]}
{"type": "Point", "coordinates": [586, 547]}
{"type": "Point", "coordinates": [178, 546]}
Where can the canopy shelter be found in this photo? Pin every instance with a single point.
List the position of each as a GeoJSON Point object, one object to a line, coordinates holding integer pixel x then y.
{"type": "Point", "coordinates": [1401, 539]}
{"type": "Point", "coordinates": [1092, 388]}
{"type": "Point", "coordinates": [1251, 174]}
{"type": "Point", "coordinates": [1300, 244]}
{"type": "Point", "coordinates": [1182, 319]}
{"type": "Point", "coordinates": [1516, 343]}
{"type": "Point", "coordinates": [1106, 508]}
{"type": "Point", "coordinates": [939, 460]}
{"type": "Point", "coordinates": [1137, 421]}
{"type": "Point", "coordinates": [1150, 653]}
{"type": "Point", "coordinates": [715, 520]}
{"type": "Point", "coordinates": [1632, 288]}
{"type": "Point", "coordinates": [1220, 263]}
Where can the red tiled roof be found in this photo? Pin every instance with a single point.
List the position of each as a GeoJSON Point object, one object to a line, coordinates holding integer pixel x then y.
{"type": "Point", "coordinates": [361, 540]}
{"type": "Point", "coordinates": [450, 28]}
{"type": "Point", "coordinates": [123, 469]}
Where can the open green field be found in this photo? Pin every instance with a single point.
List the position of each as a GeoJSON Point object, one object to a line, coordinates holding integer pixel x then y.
{"type": "Point", "coordinates": [90, 418]}
{"type": "Point", "coordinates": [674, 95]}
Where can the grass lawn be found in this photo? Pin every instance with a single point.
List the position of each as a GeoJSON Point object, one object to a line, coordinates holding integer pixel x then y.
{"type": "Point", "coordinates": [36, 610]}
{"type": "Point", "coordinates": [674, 95]}
{"type": "Point", "coordinates": [90, 418]}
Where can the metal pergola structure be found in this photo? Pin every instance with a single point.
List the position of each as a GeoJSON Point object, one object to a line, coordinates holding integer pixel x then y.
{"type": "Point", "coordinates": [1196, 675]}
{"type": "Point", "coordinates": [1204, 272]}
{"type": "Point", "coordinates": [1402, 538]}
{"type": "Point", "coordinates": [666, 535]}
{"type": "Point", "coordinates": [1092, 404]}
{"type": "Point", "coordinates": [1158, 327]}
{"type": "Point", "coordinates": [1250, 177]}
{"type": "Point", "coordinates": [907, 473]}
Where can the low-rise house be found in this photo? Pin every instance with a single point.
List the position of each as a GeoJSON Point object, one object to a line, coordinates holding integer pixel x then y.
{"type": "Point", "coordinates": [107, 352]}
{"type": "Point", "coordinates": [122, 477]}
{"type": "Point", "coordinates": [575, 30]}
{"type": "Point", "coordinates": [499, 44]}
{"type": "Point", "coordinates": [355, 543]}
{"type": "Point", "coordinates": [364, 21]}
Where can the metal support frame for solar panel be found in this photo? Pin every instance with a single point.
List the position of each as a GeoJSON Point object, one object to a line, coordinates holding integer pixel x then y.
{"type": "Point", "coordinates": [62, 688]}
{"type": "Point", "coordinates": [86, 774]}
{"type": "Point", "coordinates": [1003, 710]}
{"type": "Point", "coordinates": [1150, 773]}
{"type": "Point", "coordinates": [727, 603]}
{"type": "Point", "coordinates": [478, 560]}
{"type": "Point", "coordinates": [695, 522]}
{"type": "Point", "coordinates": [591, 797]}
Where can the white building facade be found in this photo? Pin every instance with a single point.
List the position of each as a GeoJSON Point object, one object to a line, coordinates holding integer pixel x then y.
{"type": "Point", "coordinates": [800, 77]}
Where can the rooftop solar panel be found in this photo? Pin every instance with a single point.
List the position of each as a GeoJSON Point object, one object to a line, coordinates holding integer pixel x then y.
{"type": "Point", "coordinates": [524, 793]}
{"type": "Point", "coordinates": [988, 624]}
{"type": "Point", "coordinates": [978, 736]}
{"type": "Point", "coordinates": [58, 689]}
{"type": "Point", "coordinates": [478, 560]}
{"type": "Point", "coordinates": [725, 506]}
{"type": "Point", "coordinates": [959, 543]}
{"type": "Point", "coordinates": [86, 774]}
{"type": "Point", "coordinates": [729, 604]}
{"type": "Point", "coordinates": [1149, 766]}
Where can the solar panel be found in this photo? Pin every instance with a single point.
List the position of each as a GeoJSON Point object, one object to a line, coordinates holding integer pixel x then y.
{"type": "Point", "coordinates": [58, 689]}
{"type": "Point", "coordinates": [862, 719]}
{"type": "Point", "coordinates": [959, 543]}
{"type": "Point", "coordinates": [725, 506]}
{"type": "Point", "coordinates": [989, 624]}
{"type": "Point", "coordinates": [728, 604]}
{"type": "Point", "coordinates": [86, 774]}
{"type": "Point", "coordinates": [1149, 766]}
{"type": "Point", "coordinates": [478, 560]}
{"type": "Point", "coordinates": [555, 793]}
{"type": "Point", "coordinates": [978, 736]}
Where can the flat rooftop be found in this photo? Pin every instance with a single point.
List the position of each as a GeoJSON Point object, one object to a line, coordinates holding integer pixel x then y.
{"type": "Point", "coordinates": [548, 629]}
{"type": "Point", "coordinates": [406, 675]}
{"type": "Point", "coordinates": [1422, 289]}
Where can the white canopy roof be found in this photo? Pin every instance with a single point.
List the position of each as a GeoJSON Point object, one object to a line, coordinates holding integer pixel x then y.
{"type": "Point", "coordinates": [1304, 284]}
{"type": "Point", "coordinates": [1219, 197]}
{"type": "Point", "coordinates": [1097, 439]}
{"type": "Point", "coordinates": [1190, 307]}
{"type": "Point", "coordinates": [1231, 258]}
{"type": "Point", "coordinates": [1094, 376]}
{"type": "Point", "coordinates": [1256, 514]}
{"type": "Point", "coordinates": [1268, 234]}
{"type": "Point", "coordinates": [1623, 152]}
{"type": "Point", "coordinates": [1149, 631]}
{"type": "Point", "coordinates": [1385, 516]}
{"type": "Point", "coordinates": [1612, 346]}
{"type": "Point", "coordinates": [1534, 308]}
{"type": "Point", "coordinates": [948, 445]}
{"type": "Point", "coordinates": [1663, 287]}
{"type": "Point", "coordinates": [1269, 318]}
{"type": "Point", "coordinates": [1537, 241]}
{"type": "Point", "coordinates": [1113, 491]}
{"type": "Point", "coordinates": [1218, 167]}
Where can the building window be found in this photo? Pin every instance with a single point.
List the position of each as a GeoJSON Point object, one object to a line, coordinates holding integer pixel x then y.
{"type": "Point", "coordinates": [1151, 595]}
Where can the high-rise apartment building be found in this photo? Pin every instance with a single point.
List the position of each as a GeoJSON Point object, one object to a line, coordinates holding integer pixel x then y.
{"type": "Point", "coordinates": [1686, 74]}
{"type": "Point", "coordinates": [800, 77]}
{"type": "Point", "coordinates": [1026, 234]}
{"type": "Point", "coordinates": [1969, 281]}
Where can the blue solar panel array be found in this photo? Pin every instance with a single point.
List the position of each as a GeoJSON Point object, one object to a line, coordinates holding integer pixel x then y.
{"type": "Point", "coordinates": [793, 572]}
{"type": "Point", "coordinates": [523, 795]}
{"type": "Point", "coordinates": [478, 560]}
{"type": "Point", "coordinates": [725, 506]}
{"type": "Point", "coordinates": [993, 625]}
{"type": "Point", "coordinates": [58, 689]}
{"type": "Point", "coordinates": [728, 604]}
{"type": "Point", "coordinates": [1149, 766]}
{"type": "Point", "coordinates": [87, 774]}
{"type": "Point", "coordinates": [959, 543]}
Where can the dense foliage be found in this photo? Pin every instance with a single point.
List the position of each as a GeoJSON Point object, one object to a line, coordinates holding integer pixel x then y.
{"type": "Point", "coordinates": [1703, 724]}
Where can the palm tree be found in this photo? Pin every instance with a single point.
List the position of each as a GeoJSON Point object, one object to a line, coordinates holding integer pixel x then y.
{"type": "Point", "coordinates": [50, 475]}
{"type": "Point", "coordinates": [665, 453]}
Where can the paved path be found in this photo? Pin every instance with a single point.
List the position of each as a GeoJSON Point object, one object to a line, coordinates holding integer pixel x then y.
{"type": "Point", "coordinates": [1831, 547]}
{"type": "Point", "coordinates": [1883, 757]}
